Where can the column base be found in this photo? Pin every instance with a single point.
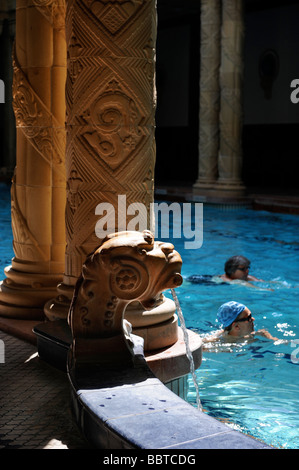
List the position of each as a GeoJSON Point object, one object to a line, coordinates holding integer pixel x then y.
{"type": "Point", "coordinates": [204, 188]}
{"type": "Point", "coordinates": [158, 326]}
{"type": "Point", "coordinates": [54, 340]}
{"type": "Point", "coordinates": [220, 189]}
{"type": "Point", "coordinates": [230, 189]}
{"type": "Point", "coordinates": [23, 294]}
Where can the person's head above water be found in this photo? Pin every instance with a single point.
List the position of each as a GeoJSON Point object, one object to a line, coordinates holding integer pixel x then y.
{"type": "Point", "coordinates": [235, 318]}
{"type": "Point", "coordinates": [237, 267]}
{"type": "Point", "coordinates": [237, 322]}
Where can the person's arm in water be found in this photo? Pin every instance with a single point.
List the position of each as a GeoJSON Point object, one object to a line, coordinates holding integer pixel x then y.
{"type": "Point", "coordinates": [265, 334]}
{"type": "Point", "coordinates": [254, 279]}
{"type": "Point", "coordinates": [212, 338]}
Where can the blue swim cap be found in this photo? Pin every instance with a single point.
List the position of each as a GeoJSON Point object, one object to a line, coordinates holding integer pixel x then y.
{"type": "Point", "coordinates": [228, 312]}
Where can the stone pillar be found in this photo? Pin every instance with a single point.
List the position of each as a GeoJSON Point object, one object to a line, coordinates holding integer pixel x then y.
{"type": "Point", "coordinates": [38, 188]}
{"type": "Point", "coordinates": [7, 119]}
{"type": "Point", "coordinates": [209, 96]}
{"type": "Point", "coordinates": [110, 100]}
{"type": "Point", "coordinates": [231, 117]}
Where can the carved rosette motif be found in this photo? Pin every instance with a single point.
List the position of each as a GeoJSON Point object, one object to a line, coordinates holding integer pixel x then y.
{"type": "Point", "coordinates": [110, 100]}
{"type": "Point", "coordinates": [114, 123]}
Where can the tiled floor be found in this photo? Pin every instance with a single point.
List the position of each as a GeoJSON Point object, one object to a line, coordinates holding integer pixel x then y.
{"type": "Point", "coordinates": [34, 401]}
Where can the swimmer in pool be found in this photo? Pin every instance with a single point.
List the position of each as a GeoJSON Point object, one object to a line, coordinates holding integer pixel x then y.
{"type": "Point", "coordinates": [236, 271]}
{"type": "Point", "coordinates": [237, 268]}
{"type": "Point", "coordinates": [238, 323]}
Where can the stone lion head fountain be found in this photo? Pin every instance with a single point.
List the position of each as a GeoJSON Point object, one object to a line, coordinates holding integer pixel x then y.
{"type": "Point", "coordinates": [128, 266]}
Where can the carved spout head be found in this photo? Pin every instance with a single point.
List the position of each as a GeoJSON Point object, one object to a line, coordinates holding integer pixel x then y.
{"type": "Point", "coordinates": [140, 267]}
{"type": "Point", "coordinates": [128, 266]}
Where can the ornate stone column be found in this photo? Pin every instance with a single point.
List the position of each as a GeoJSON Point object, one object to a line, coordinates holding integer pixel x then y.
{"type": "Point", "coordinates": [209, 96]}
{"type": "Point", "coordinates": [38, 188]}
{"type": "Point", "coordinates": [110, 99]}
{"type": "Point", "coordinates": [231, 117]}
{"type": "Point", "coordinates": [7, 119]}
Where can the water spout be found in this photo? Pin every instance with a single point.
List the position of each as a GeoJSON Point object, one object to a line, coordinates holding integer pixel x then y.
{"type": "Point", "coordinates": [188, 351]}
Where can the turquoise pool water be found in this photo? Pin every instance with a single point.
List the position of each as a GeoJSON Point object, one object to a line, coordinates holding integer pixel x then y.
{"type": "Point", "coordinates": [6, 251]}
{"type": "Point", "coordinates": [252, 387]}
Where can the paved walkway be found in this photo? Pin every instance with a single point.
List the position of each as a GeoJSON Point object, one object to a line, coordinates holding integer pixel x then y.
{"type": "Point", "coordinates": [34, 401]}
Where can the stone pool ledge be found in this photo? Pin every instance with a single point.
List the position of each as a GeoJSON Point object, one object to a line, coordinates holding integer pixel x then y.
{"type": "Point", "coordinates": [131, 408]}
{"type": "Point", "coordinates": [139, 410]}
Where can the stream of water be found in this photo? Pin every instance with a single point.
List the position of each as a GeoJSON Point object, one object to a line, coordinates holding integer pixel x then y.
{"type": "Point", "coordinates": [188, 350]}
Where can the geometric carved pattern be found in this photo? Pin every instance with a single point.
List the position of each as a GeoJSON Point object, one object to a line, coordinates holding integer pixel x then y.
{"type": "Point", "coordinates": [110, 105]}
{"type": "Point", "coordinates": [114, 14]}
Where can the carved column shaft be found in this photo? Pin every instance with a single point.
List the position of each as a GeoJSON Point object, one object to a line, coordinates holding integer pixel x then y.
{"type": "Point", "coordinates": [231, 76]}
{"type": "Point", "coordinates": [38, 189]}
{"type": "Point", "coordinates": [110, 145]}
{"type": "Point", "coordinates": [221, 74]}
{"type": "Point", "coordinates": [209, 93]}
{"type": "Point", "coordinates": [110, 149]}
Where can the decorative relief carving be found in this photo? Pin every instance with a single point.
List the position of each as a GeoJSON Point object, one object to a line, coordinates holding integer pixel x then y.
{"type": "Point", "coordinates": [53, 11]}
{"type": "Point", "coordinates": [74, 49]}
{"type": "Point", "coordinates": [41, 128]}
{"type": "Point", "coordinates": [114, 14]}
{"type": "Point", "coordinates": [22, 233]}
{"type": "Point", "coordinates": [28, 111]}
{"type": "Point", "coordinates": [38, 187]}
{"type": "Point", "coordinates": [110, 101]}
{"type": "Point", "coordinates": [73, 186]}
{"type": "Point", "coordinates": [115, 120]}
{"type": "Point", "coordinates": [128, 266]}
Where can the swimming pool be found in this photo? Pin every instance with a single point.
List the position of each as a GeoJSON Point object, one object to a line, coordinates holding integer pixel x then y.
{"type": "Point", "coordinates": [6, 250]}
{"type": "Point", "coordinates": [252, 387]}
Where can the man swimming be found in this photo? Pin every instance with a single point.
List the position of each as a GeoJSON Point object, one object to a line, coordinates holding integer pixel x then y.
{"type": "Point", "coordinates": [237, 268]}
{"type": "Point", "coordinates": [236, 271]}
{"type": "Point", "coordinates": [238, 323]}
